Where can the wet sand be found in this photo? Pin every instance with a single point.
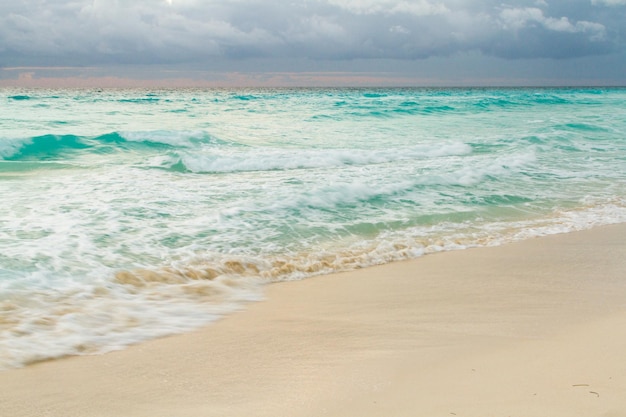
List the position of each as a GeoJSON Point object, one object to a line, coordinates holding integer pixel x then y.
{"type": "Point", "coordinates": [536, 328]}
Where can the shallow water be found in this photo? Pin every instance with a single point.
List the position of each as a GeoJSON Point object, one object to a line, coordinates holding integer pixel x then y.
{"type": "Point", "coordinates": [132, 214]}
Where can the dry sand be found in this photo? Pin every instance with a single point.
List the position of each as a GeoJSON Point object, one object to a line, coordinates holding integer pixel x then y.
{"type": "Point", "coordinates": [530, 329]}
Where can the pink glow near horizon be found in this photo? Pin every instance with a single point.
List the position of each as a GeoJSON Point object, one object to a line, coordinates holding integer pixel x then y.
{"type": "Point", "coordinates": [27, 78]}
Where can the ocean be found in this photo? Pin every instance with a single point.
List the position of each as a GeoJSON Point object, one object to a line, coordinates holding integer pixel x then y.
{"type": "Point", "coordinates": [132, 214]}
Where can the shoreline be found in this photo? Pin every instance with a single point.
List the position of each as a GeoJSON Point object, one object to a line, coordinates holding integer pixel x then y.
{"type": "Point", "coordinates": [527, 328]}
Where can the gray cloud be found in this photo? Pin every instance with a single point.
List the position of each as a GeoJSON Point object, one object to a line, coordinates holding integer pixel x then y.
{"type": "Point", "coordinates": [96, 32]}
{"type": "Point", "coordinates": [610, 2]}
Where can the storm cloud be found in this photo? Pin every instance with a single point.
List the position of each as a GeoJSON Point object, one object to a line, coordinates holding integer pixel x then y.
{"type": "Point", "coordinates": [96, 32]}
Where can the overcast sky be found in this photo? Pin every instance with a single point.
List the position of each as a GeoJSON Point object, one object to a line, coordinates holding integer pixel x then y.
{"type": "Point", "coordinates": [313, 42]}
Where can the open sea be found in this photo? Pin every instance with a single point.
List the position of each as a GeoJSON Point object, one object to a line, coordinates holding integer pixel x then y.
{"type": "Point", "coordinates": [127, 215]}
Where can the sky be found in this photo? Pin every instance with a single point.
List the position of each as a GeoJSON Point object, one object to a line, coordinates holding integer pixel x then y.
{"type": "Point", "coordinates": [211, 43]}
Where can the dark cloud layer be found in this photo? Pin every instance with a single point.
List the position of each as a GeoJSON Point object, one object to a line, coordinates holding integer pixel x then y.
{"type": "Point", "coordinates": [83, 32]}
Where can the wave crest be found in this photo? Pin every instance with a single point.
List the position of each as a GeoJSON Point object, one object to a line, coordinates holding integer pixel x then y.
{"type": "Point", "coordinates": [50, 146]}
{"type": "Point", "coordinates": [263, 159]}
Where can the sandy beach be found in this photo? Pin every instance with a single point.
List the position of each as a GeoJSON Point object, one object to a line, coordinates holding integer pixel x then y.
{"type": "Point", "coordinates": [530, 329]}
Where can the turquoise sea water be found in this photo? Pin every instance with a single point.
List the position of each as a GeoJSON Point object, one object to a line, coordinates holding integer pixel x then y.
{"type": "Point", "coordinates": [132, 214]}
